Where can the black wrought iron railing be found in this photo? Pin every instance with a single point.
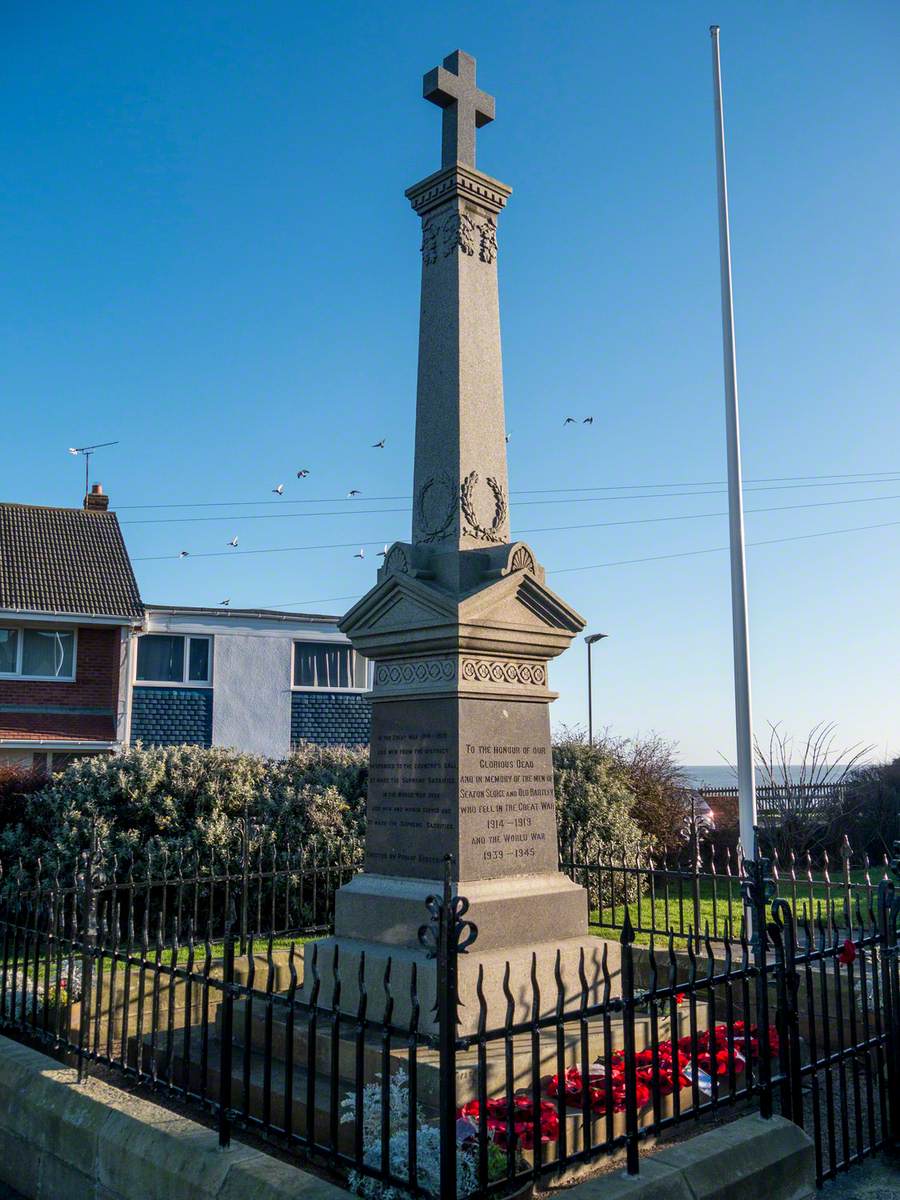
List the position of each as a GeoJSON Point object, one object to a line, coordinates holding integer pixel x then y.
{"type": "Point", "coordinates": [701, 891]}
{"type": "Point", "coordinates": [370, 1070]}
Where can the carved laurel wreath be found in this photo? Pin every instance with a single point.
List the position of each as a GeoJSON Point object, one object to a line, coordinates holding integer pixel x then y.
{"type": "Point", "coordinates": [467, 503]}
{"type": "Point", "coordinates": [435, 532]}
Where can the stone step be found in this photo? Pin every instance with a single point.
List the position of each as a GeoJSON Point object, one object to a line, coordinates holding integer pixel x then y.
{"type": "Point", "coordinates": [248, 1091]}
{"type": "Point", "coordinates": [371, 1049]}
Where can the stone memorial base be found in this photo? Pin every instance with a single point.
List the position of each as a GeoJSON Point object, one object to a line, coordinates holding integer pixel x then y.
{"type": "Point", "coordinates": [511, 910]}
{"type": "Point", "coordinates": [513, 965]}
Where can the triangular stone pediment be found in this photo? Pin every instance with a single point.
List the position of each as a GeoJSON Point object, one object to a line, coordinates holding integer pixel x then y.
{"type": "Point", "coordinates": [520, 599]}
{"type": "Point", "coordinates": [398, 602]}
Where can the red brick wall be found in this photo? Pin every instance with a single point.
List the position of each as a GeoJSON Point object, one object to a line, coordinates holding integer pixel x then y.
{"type": "Point", "coordinates": [96, 682]}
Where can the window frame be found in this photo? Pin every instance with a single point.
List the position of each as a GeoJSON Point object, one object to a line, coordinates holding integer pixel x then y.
{"type": "Point", "coordinates": [20, 653]}
{"type": "Point", "coordinates": [185, 681]}
{"type": "Point", "coordinates": [325, 644]}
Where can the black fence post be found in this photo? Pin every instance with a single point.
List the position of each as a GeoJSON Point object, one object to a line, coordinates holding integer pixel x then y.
{"type": "Point", "coordinates": [227, 1034]}
{"type": "Point", "coordinates": [245, 874]}
{"type": "Point", "coordinates": [757, 889]}
{"type": "Point", "coordinates": [888, 916]}
{"type": "Point", "coordinates": [787, 1024]}
{"type": "Point", "coordinates": [629, 1047]}
{"type": "Point", "coordinates": [88, 945]}
{"type": "Point", "coordinates": [695, 870]}
{"type": "Point", "coordinates": [445, 938]}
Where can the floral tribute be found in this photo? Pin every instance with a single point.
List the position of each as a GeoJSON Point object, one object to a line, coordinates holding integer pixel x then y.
{"type": "Point", "coordinates": [710, 1054]}
{"type": "Point", "coordinates": [518, 1112]}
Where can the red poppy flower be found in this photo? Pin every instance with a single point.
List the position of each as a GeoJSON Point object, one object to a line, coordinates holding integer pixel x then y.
{"type": "Point", "coordinates": [847, 953]}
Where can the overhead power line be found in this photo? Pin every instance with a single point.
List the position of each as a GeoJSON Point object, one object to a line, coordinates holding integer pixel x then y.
{"type": "Point", "coordinates": [539, 529]}
{"type": "Point", "coordinates": [799, 537]}
{"type": "Point", "coordinates": [624, 562]}
{"type": "Point", "coordinates": [363, 512]}
{"type": "Point", "coordinates": [614, 487]}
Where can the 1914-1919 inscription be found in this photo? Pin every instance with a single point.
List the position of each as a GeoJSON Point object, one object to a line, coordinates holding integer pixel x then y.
{"type": "Point", "coordinates": [479, 787]}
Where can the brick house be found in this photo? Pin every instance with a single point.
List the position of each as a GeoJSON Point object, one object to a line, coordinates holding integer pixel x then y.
{"type": "Point", "coordinates": [69, 606]}
{"type": "Point", "coordinates": [86, 667]}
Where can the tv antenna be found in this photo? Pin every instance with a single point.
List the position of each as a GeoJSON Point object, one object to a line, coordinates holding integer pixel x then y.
{"type": "Point", "coordinates": [87, 451]}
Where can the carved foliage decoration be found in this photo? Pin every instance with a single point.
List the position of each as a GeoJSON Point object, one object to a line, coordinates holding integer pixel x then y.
{"type": "Point", "coordinates": [436, 505]}
{"type": "Point", "coordinates": [429, 241]}
{"type": "Point", "coordinates": [488, 249]}
{"type": "Point", "coordinates": [458, 231]}
{"type": "Point", "coordinates": [487, 533]}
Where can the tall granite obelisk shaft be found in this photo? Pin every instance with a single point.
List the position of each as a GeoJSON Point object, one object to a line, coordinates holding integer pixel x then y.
{"type": "Point", "coordinates": [461, 626]}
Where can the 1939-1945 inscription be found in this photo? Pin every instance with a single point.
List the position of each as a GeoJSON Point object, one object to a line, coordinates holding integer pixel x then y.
{"type": "Point", "coordinates": [486, 797]}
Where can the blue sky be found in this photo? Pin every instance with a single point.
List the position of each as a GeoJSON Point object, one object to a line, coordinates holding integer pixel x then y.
{"type": "Point", "coordinates": [208, 255]}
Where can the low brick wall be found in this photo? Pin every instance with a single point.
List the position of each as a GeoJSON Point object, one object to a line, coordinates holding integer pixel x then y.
{"type": "Point", "coordinates": [164, 716]}
{"type": "Point", "coordinates": [59, 1139]}
{"type": "Point", "coordinates": [330, 718]}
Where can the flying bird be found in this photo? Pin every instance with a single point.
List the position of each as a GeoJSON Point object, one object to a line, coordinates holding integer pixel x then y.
{"type": "Point", "coordinates": [361, 553]}
{"type": "Point", "coordinates": [588, 421]}
{"type": "Point", "coordinates": [233, 542]}
{"type": "Point", "coordinates": [383, 553]}
{"type": "Point", "coordinates": [183, 553]}
{"type": "Point", "coordinates": [354, 492]}
{"type": "Point", "coordinates": [378, 445]}
{"type": "Point", "coordinates": [279, 491]}
{"type": "Point", "coordinates": [569, 421]}
{"type": "Point", "coordinates": [302, 474]}
{"type": "Point", "coordinates": [224, 603]}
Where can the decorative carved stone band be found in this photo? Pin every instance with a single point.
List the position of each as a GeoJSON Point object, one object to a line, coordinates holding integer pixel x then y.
{"type": "Point", "coordinates": [422, 675]}
{"type": "Point", "coordinates": [487, 670]}
{"type": "Point", "coordinates": [463, 182]}
{"type": "Point", "coordinates": [487, 533]}
{"type": "Point", "coordinates": [415, 674]}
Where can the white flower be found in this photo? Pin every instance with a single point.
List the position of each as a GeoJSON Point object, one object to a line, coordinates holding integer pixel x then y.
{"type": "Point", "coordinates": [428, 1144]}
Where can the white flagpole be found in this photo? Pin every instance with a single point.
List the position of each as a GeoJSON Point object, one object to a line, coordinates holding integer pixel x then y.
{"type": "Point", "coordinates": [743, 717]}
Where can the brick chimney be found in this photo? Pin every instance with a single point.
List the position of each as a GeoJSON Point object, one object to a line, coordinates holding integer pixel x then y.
{"type": "Point", "coordinates": [95, 500]}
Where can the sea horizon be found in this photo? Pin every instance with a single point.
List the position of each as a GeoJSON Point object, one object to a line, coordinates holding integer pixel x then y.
{"type": "Point", "coordinates": [723, 775]}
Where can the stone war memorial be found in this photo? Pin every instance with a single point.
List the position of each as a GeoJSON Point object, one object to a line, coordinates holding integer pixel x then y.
{"type": "Point", "coordinates": [461, 627]}
{"type": "Point", "coordinates": [459, 1033]}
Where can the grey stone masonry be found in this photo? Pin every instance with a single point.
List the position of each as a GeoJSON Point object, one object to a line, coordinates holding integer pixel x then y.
{"type": "Point", "coordinates": [330, 718]}
{"type": "Point", "coordinates": [171, 716]}
{"type": "Point", "coordinates": [460, 628]}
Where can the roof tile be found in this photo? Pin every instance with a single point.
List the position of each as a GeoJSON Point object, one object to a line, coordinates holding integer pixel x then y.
{"type": "Point", "coordinates": [65, 560]}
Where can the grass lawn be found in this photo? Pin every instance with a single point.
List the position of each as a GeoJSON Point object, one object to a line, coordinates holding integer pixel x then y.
{"type": "Point", "coordinates": [678, 913]}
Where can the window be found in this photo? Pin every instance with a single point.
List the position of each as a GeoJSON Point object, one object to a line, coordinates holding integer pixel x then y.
{"type": "Point", "coordinates": [164, 658]}
{"type": "Point", "coordinates": [38, 653]}
{"type": "Point", "coordinates": [324, 665]}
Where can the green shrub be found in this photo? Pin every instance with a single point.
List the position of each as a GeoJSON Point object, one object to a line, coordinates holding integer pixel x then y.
{"type": "Point", "coordinates": [873, 802]}
{"type": "Point", "coordinates": [188, 802]}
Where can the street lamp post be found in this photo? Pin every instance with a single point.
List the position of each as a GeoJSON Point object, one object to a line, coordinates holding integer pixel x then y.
{"type": "Point", "coordinates": [590, 639]}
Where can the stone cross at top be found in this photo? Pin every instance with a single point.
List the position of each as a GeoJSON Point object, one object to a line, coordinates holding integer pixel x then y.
{"type": "Point", "coordinates": [452, 88]}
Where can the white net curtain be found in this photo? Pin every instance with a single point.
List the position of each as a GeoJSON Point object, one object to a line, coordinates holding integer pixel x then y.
{"type": "Point", "coordinates": [328, 666]}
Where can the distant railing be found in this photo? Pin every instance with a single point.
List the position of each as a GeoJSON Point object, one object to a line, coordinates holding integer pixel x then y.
{"type": "Point", "coordinates": [769, 796]}
{"type": "Point", "coordinates": [703, 891]}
